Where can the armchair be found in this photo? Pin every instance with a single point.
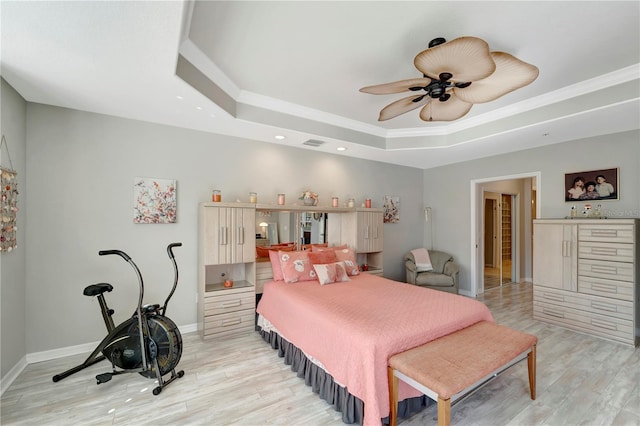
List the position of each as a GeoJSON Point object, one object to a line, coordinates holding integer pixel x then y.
{"type": "Point", "coordinates": [444, 276]}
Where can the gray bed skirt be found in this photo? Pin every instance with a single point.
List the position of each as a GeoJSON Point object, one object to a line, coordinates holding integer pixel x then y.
{"type": "Point", "coordinates": [322, 383]}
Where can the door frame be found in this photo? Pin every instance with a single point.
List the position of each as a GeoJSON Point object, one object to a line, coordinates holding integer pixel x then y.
{"type": "Point", "coordinates": [477, 222]}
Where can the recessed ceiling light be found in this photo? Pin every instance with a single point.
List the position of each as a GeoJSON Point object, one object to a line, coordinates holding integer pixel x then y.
{"type": "Point", "coordinates": [179, 97]}
{"type": "Point", "coordinates": [341, 148]}
{"type": "Point", "coordinates": [199, 108]}
{"type": "Point", "coordinates": [279, 137]}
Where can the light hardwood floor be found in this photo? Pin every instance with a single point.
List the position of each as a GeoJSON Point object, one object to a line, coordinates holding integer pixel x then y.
{"type": "Point", "coordinates": [581, 380]}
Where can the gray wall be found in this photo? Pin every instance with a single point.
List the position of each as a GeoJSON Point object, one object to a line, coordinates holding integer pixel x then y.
{"type": "Point", "coordinates": [80, 194]}
{"type": "Point", "coordinates": [12, 264]}
{"type": "Point", "coordinates": [451, 202]}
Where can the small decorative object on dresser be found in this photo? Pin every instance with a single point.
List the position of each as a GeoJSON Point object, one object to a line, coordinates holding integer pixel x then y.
{"type": "Point", "coordinates": [309, 198]}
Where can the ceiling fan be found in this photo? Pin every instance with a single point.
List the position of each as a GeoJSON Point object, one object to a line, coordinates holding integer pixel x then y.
{"type": "Point", "coordinates": [457, 75]}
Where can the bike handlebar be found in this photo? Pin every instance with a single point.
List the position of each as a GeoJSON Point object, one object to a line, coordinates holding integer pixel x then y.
{"type": "Point", "coordinates": [170, 249]}
{"type": "Point", "coordinates": [120, 253]}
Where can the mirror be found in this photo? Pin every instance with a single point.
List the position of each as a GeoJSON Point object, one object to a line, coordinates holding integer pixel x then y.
{"type": "Point", "coordinates": [282, 227]}
{"type": "Point", "coordinates": [313, 228]}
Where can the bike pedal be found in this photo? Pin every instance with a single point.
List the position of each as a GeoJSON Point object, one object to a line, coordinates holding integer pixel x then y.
{"type": "Point", "coordinates": [104, 377]}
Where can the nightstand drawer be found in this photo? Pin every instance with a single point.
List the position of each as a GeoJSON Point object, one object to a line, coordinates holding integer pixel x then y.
{"type": "Point", "coordinates": [231, 302]}
{"type": "Point", "coordinates": [607, 270]}
{"type": "Point", "coordinates": [228, 324]}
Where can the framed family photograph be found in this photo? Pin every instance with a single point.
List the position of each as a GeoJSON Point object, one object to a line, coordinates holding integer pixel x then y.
{"type": "Point", "coordinates": [592, 185]}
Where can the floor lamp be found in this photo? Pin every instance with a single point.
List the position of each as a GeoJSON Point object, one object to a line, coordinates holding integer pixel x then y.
{"type": "Point", "coordinates": [428, 219]}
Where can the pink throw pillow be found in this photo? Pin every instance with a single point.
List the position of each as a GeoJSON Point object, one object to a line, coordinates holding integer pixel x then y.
{"type": "Point", "coordinates": [349, 257]}
{"type": "Point", "coordinates": [322, 257]}
{"type": "Point", "coordinates": [296, 266]}
{"type": "Point", "coordinates": [275, 265]}
{"type": "Point", "coordinates": [329, 273]}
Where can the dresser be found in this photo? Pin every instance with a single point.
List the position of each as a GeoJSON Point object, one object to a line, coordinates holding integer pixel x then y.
{"type": "Point", "coordinates": [585, 276]}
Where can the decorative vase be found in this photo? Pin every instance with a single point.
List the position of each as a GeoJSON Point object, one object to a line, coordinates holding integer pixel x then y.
{"type": "Point", "coordinates": [228, 283]}
{"type": "Point", "coordinates": [309, 201]}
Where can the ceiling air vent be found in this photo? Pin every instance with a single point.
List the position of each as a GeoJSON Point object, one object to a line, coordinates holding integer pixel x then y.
{"type": "Point", "coordinates": [313, 142]}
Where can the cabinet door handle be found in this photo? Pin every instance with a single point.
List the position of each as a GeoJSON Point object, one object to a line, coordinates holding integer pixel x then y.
{"type": "Point", "coordinates": [603, 324]}
{"type": "Point", "coordinates": [240, 235]}
{"type": "Point", "coordinates": [366, 232]}
{"type": "Point", "coordinates": [604, 288]}
{"type": "Point", "coordinates": [553, 297]}
{"type": "Point", "coordinates": [604, 232]}
{"type": "Point", "coordinates": [553, 313]}
{"type": "Point", "coordinates": [604, 269]}
{"type": "Point", "coordinates": [226, 323]}
{"type": "Point", "coordinates": [223, 235]}
{"type": "Point", "coordinates": [231, 304]}
{"type": "Point", "coordinates": [604, 251]}
{"type": "Point", "coordinates": [604, 307]}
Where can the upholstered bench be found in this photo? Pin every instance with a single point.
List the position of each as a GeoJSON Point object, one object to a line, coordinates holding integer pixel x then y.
{"type": "Point", "coordinates": [450, 367]}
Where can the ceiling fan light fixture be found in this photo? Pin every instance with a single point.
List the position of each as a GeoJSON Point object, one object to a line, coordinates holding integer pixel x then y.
{"type": "Point", "coordinates": [462, 72]}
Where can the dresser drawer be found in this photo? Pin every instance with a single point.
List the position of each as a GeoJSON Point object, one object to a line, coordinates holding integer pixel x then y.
{"type": "Point", "coordinates": [599, 325]}
{"type": "Point", "coordinates": [606, 233]}
{"type": "Point", "coordinates": [617, 252]}
{"type": "Point", "coordinates": [621, 309]}
{"type": "Point", "coordinates": [604, 269]}
{"type": "Point", "coordinates": [222, 303]}
{"type": "Point", "coordinates": [229, 324]}
{"type": "Point", "coordinates": [622, 290]}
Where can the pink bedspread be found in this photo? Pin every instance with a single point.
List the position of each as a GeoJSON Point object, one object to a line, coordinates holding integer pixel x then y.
{"type": "Point", "coordinates": [352, 328]}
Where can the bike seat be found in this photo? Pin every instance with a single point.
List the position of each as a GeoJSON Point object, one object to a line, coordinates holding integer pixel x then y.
{"type": "Point", "coordinates": [96, 289]}
{"type": "Point", "coordinates": [150, 308]}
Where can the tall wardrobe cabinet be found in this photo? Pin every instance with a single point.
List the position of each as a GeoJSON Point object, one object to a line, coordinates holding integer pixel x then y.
{"type": "Point", "coordinates": [585, 276]}
{"type": "Point", "coordinates": [227, 247]}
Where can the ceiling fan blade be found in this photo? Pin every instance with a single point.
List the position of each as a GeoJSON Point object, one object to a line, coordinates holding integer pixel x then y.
{"type": "Point", "coordinates": [449, 110]}
{"type": "Point", "coordinates": [403, 105]}
{"type": "Point", "coordinates": [466, 58]}
{"type": "Point", "coordinates": [511, 74]}
{"type": "Point", "coordinates": [396, 86]}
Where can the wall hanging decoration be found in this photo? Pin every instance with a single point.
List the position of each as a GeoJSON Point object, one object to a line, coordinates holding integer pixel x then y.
{"type": "Point", "coordinates": [390, 204]}
{"type": "Point", "coordinates": [8, 203]}
{"type": "Point", "coordinates": [601, 184]}
{"type": "Point", "coordinates": [154, 200]}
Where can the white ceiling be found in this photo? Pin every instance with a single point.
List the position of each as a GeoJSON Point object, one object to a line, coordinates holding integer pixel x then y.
{"type": "Point", "coordinates": [294, 68]}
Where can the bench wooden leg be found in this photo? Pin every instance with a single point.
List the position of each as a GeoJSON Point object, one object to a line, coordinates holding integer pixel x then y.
{"type": "Point", "coordinates": [444, 412]}
{"type": "Point", "coordinates": [393, 397]}
{"type": "Point", "coordinates": [531, 362]}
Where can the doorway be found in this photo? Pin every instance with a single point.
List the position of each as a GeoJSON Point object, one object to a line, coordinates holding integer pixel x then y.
{"type": "Point", "coordinates": [499, 241]}
{"type": "Point", "coordinates": [521, 225]}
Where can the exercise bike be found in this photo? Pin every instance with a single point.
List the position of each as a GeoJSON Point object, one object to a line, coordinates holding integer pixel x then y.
{"type": "Point", "coordinates": [148, 343]}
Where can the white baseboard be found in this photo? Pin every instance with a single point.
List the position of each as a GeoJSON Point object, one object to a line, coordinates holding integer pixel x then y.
{"type": "Point", "coordinates": [12, 375]}
{"type": "Point", "coordinates": [84, 348]}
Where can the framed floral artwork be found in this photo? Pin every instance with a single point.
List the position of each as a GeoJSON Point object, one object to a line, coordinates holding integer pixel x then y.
{"type": "Point", "coordinates": [391, 204]}
{"type": "Point", "coordinates": [154, 200]}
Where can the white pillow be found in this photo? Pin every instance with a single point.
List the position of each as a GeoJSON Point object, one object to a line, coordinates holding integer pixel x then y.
{"type": "Point", "coordinates": [329, 273]}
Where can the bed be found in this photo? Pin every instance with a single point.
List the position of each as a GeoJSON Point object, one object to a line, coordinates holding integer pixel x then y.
{"type": "Point", "coordinates": [345, 332]}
